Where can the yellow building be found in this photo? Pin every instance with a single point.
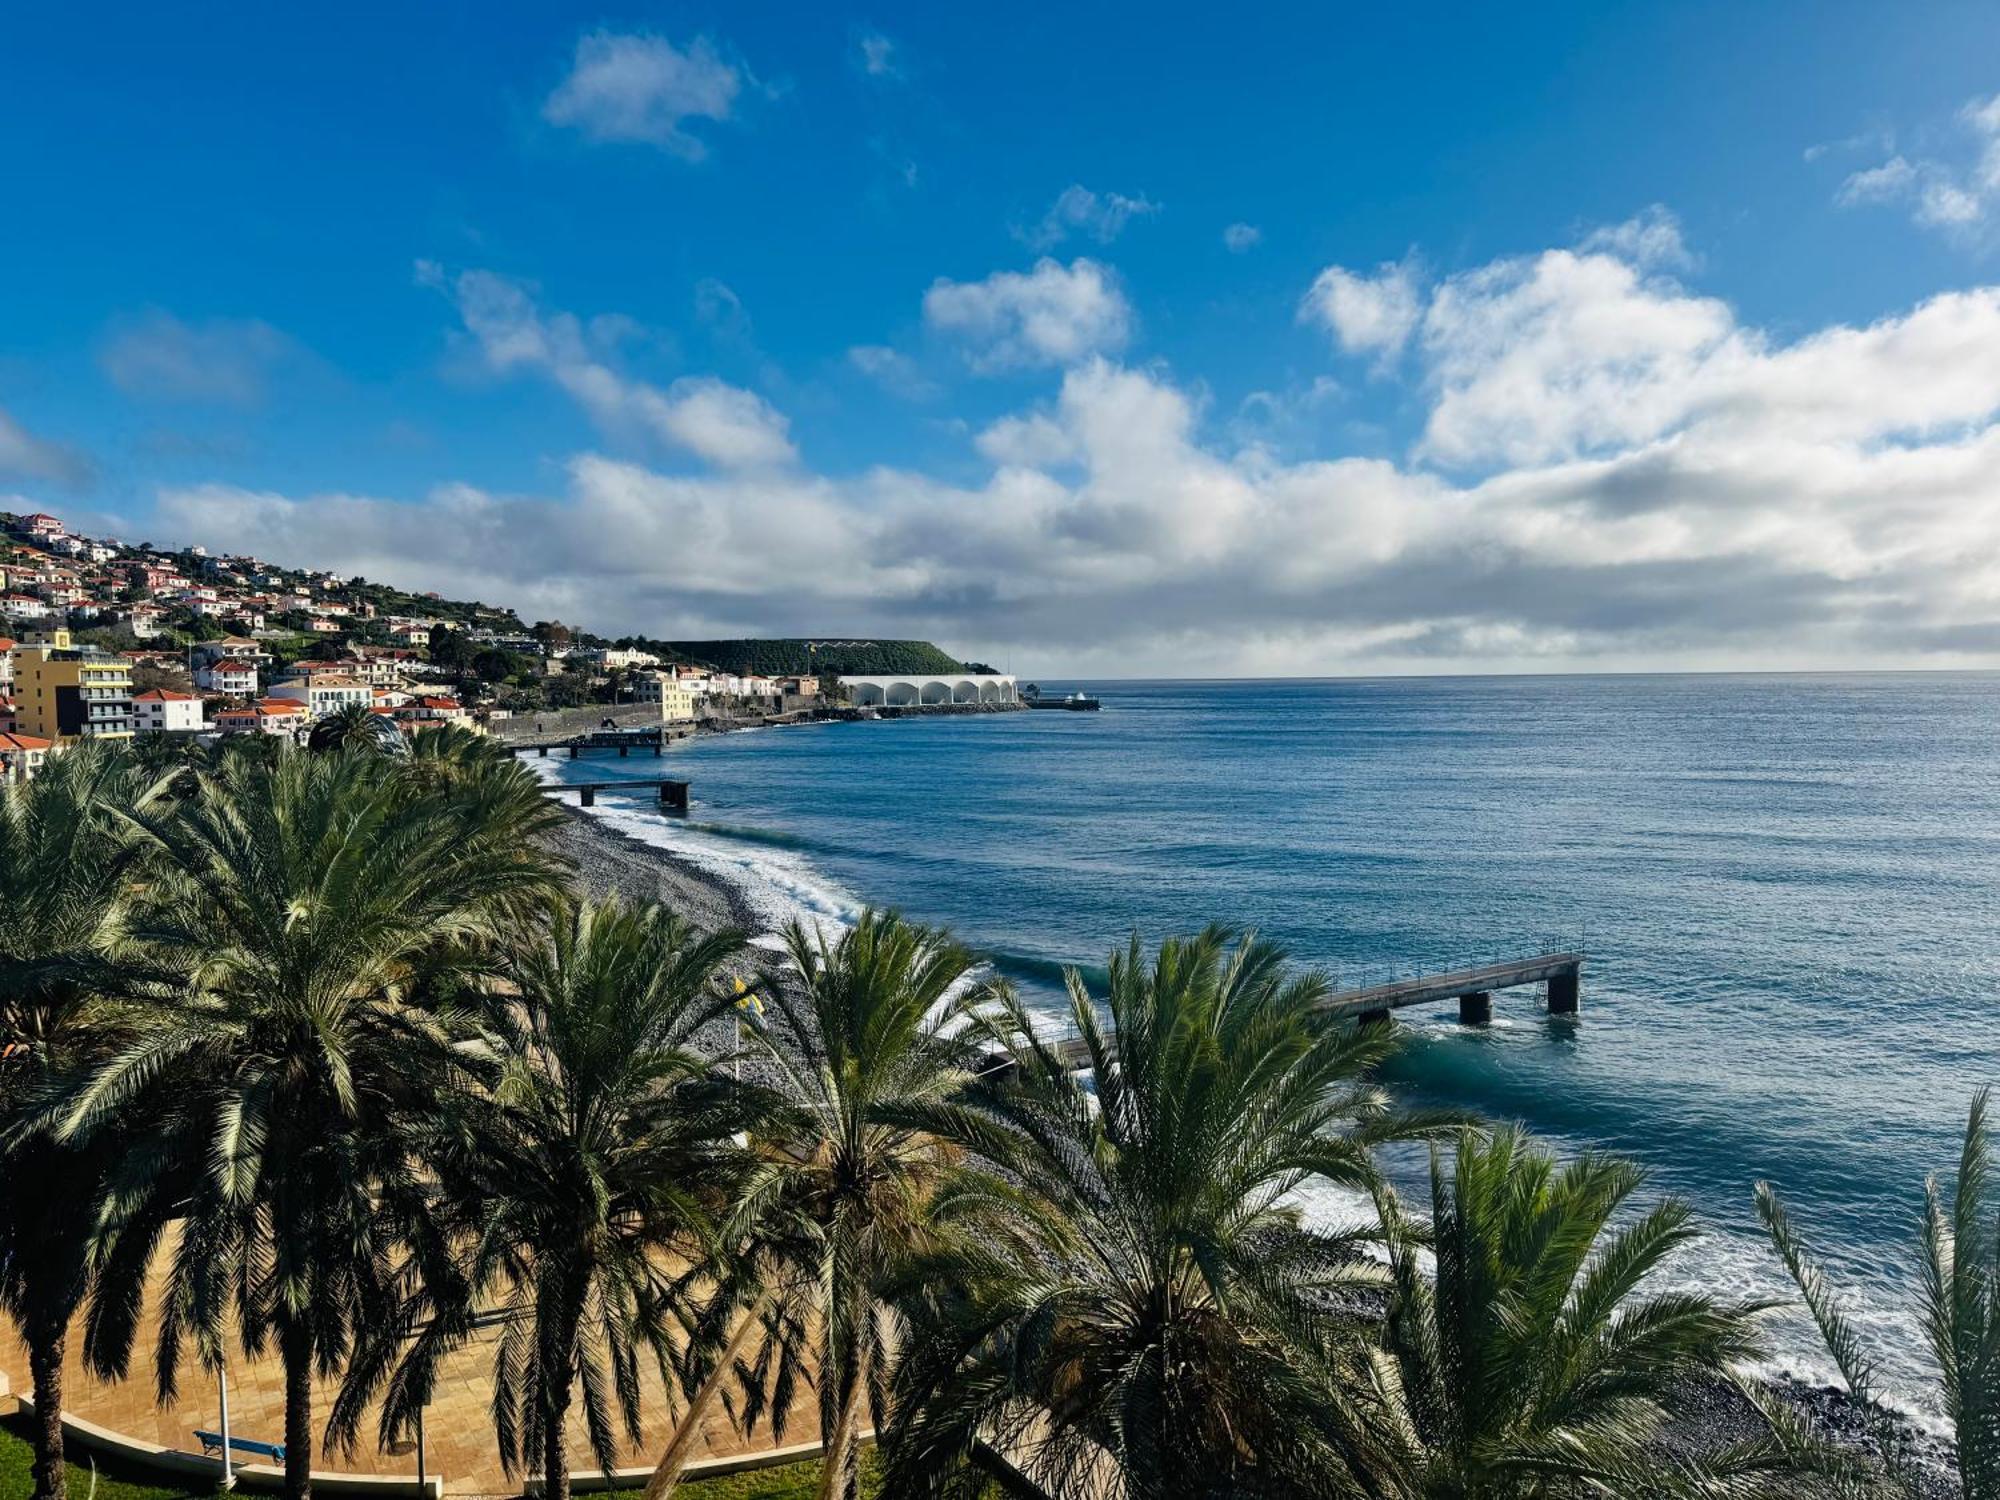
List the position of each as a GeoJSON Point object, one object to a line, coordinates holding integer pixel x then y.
{"type": "Point", "coordinates": [663, 688]}
{"type": "Point", "coordinates": [66, 692]}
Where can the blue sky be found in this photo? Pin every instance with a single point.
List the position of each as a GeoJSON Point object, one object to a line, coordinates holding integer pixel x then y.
{"type": "Point", "coordinates": [1279, 338]}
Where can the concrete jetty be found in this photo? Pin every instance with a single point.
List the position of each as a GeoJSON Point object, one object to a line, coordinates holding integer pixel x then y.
{"type": "Point", "coordinates": [1472, 988]}
{"type": "Point", "coordinates": [673, 794]}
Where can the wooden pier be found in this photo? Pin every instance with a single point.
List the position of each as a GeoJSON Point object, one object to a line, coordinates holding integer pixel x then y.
{"type": "Point", "coordinates": [673, 794]}
{"type": "Point", "coordinates": [1472, 988]}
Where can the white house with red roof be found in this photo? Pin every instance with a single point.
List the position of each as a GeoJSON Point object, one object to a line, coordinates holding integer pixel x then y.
{"type": "Point", "coordinates": [268, 716]}
{"type": "Point", "coordinates": [21, 755]}
{"type": "Point", "coordinates": [163, 711]}
{"type": "Point", "coordinates": [227, 676]}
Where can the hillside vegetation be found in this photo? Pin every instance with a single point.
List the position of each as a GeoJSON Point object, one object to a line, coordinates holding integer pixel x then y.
{"type": "Point", "coordinates": [774, 658]}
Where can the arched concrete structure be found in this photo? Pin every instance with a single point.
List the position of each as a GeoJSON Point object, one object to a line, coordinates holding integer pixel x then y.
{"type": "Point", "coordinates": [903, 692]}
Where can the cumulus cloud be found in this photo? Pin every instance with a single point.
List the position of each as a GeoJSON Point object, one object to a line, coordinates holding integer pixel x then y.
{"type": "Point", "coordinates": [1956, 193]}
{"type": "Point", "coordinates": [1080, 211]}
{"type": "Point", "coordinates": [640, 88]}
{"type": "Point", "coordinates": [893, 370]}
{"type": "Point", "coordinates": [1052, 315]}
{"type": "Point", "coordinates": [1615, 470]}
{"type": "Point", "coordinates": [24, 456]}
{"type": "Point", "coordinates": [1651, 239]}
{"type": "Point", "coordinates": [1238, 238]}
{"type": "Point", "coordinates": [1366, 314]}
{"type": "Point", "coordinates": [719, 423]}
{"type": "Point", "coordinates": [223, 360]}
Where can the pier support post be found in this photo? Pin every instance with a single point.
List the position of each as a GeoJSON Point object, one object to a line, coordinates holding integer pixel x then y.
{"type": "Point", "coordinates": [542, 751]}
{"type": "Point", "coordinates": [572, 752]}
{"type": "Point", "coordinates": [674, 796]}
{"type": "Point", "coordinates": [1563, 993]}
{"type": "Point", "coordinates": [1475, 1009]}
{"type": "Point", "coordinates": [623, 751]}
{"type": "Point", "coordinates": [588, 795]}
{"type": "Point", "coordinates": [1375, 1017]}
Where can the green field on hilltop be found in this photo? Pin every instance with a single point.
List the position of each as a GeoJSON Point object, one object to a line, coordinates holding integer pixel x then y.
{"type": "Point", "coordinates": [774, 658]}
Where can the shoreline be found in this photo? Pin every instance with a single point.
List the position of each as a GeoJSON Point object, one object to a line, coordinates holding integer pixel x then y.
{"type": "Point", "coordinates": [607, 859]}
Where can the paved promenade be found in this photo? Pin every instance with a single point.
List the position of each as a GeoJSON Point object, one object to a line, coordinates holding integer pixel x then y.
{"type": "Point", "coordinates": [458, 1427]}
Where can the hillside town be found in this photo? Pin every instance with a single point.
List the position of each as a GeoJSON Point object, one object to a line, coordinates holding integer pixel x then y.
{"type": "Point", "coordinates": [99, 639]}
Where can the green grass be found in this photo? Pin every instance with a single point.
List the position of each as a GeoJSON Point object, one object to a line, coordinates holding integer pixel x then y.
{"type": "Point", "coordinates": [791, 1482]}
{"type": "Point", "coordinates": [113, 1481]}
{"type": "Point", "coordinates": [119, 1482]}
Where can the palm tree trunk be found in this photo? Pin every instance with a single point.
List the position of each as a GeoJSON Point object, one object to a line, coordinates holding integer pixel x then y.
{"type": "Point", "coordinates": [834, 1478]}
{"type": "Point", "coordinates": [45, 1367]}
{"type": "Point", "coordinates": [667, 1473]}
{"type": "Point", "coordinates": [555, 1448]}
{"type": "Point", "coordinates": [295, 1345]}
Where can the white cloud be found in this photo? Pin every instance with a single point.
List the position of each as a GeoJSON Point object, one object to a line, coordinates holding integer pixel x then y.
{"type": "Point", "coordinates": [878, 55]}
{"type": "Point", "coordinates": [1054, 314]}
{"type": "Point", "coordinates": [1615, 471]}
{"type": "Point", "coordinates": [1366, 314]}
{"type": "Point", "coordinates": [724, 424]}
{"type": "Point", "coordinates": [719, 423]}
{"type": "Point", "coordinates": [1078, 210]}
{"type": "Point", "coordinates": [893, 370]}
{"type": "Point", "coordinates": [1956, 193]}
{"type": "Point", "coordinates": [1652, 238]}
{"type": "Point", "coordinates": [222, 360]}
{"type": "Point", "coordinates": [23, 456]}
{"type": "Point", "coordinates": [635, 87]}
{"type": "Point", "coordinates": [1241, 237]}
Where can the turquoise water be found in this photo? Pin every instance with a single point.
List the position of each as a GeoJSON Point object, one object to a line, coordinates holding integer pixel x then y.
{"type": "Point", "coordinates": [1788, 886]}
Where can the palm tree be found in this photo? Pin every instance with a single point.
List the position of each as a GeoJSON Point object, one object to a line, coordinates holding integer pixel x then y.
{"type": "Point", "coordinates": [867, 1032]}
{"type": "Point", "coordinates": [1535, 1362]}
{"type": "Point", "coordinates": [306, 903]}
{"type": "Point", "coordinates": [1146, 1310]}
{"type": "Point", "coordinates": [355, 727]}
{"type": "Point", "coordinates": [581, 1181]}
{"type": "Point", "coordinates": [67, 868]}
{"type": "Point", "coordinates": [1961, 1285]}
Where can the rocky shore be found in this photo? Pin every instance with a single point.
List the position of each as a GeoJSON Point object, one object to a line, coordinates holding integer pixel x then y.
{"type": "Point", "coordinates": [607, 860]}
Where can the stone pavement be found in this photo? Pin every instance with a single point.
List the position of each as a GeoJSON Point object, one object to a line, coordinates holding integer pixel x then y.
{"type": "Point", "coordinates": [458, 1426]}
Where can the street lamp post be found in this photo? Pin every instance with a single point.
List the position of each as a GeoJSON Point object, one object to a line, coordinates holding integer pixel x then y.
{"type": "Point", "coordinates": [222, 1387]}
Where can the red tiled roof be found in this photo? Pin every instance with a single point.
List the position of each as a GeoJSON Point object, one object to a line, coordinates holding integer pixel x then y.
{"type": "Point", "coordinates": [24, 742]}
{"type": "Point", "coordinates": [164, 695]}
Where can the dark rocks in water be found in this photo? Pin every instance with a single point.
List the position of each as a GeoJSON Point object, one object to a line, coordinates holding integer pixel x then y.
{"type": "Point", "coordinates": [1706, 1415]}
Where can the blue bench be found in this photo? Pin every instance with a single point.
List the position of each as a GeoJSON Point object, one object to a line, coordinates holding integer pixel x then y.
{"type": "Point", "coordinates": [211, 1444]}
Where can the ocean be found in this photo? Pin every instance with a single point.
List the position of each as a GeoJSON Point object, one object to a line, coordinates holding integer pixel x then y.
{"type": "Point", "coordinates": [1788, 887]}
